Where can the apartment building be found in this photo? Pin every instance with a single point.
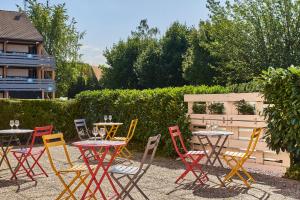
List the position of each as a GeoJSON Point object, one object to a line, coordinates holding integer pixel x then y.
{"type": "Point", "coordinates": [26, 70]}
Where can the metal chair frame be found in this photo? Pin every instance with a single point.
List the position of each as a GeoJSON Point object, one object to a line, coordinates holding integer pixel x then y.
{"type": "Point", "coordinates": [80, 170]}
{"type": "Point", "coordinates": [194, 156]}
{"type": "Point", "coordinates": [138, 173]}
{"type": "Point", "coordinates": [23, 155]}
{"type": "Point", "coordinates": [236, 160]}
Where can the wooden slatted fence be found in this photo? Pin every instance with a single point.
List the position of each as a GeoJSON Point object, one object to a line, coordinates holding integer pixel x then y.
{"type": "Point", "coordinates": [240, 125]}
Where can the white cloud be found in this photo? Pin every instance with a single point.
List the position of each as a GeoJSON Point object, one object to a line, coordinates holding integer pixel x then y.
{"type": "Point", "coordinates": [92, 55]}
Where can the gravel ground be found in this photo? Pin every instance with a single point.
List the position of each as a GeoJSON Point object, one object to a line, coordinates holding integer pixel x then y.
{"type": "Point", "coordinates": [158, 183]}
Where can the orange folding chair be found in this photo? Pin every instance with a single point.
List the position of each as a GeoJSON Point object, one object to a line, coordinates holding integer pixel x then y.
{"type": "Point", "coordinates": [236, 160]}
{"type": "Point", "coordinates": [31, 153]}
{"type": "Point", "coordinates": [189, 158]}
{"type": "Point", "coordinates": [80, 170]}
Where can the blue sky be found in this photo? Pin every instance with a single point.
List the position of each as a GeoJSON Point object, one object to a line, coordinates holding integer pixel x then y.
{"type": "Point", "coordinates": [108, 21]}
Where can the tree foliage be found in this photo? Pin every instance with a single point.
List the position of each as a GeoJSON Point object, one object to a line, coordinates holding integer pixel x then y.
{"type": "Point", "coordinates": [61, 40]}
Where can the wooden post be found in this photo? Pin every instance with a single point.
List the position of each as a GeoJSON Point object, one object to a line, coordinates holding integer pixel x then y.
{"type": "Point", "coordinates": [43, 94]}
{"type": "Point", "coordinates": [39, 48]}
{"type": "Point", "coordinates": [6, 94]}
{"type": "Point", "coordinates": [5, 46]}
{"type": "Point", "coordinates": [5, 71]}
{"type": "Point", "coordinates": [38, 71]}
{"type": "Point", "coordinates": [53, 95]}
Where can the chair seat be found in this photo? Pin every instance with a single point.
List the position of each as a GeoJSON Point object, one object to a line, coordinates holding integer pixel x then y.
{"type": "Point", "coordinates": [234, 154]}
{"type": "Point", "coordinates": [119, 138]}
{"type": "Point", "coordinates": [34, 151]}
{"type": "Point", "coordinates": [194, 153]}
{"type": "Point", "coordinates": [123, 169]}
{"type": "Point", "coordinates": [78, 167]}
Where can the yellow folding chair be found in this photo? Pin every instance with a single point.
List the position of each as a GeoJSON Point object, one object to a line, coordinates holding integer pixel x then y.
{"type": "Point", "coordinates": [80, 170]}
{"type": "Point", "coordinates": [236, 160]}
{"type": "Point", "coordinates": [124, 152]}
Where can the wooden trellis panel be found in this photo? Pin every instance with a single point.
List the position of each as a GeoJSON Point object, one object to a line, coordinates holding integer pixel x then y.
{"type": "Point", "coordinates": [240, 125]}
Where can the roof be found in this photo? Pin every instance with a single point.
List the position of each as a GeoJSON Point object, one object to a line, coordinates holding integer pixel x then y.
{"type": "Point", "coordinates": [97, 71]}
{"type": "Point", "coordinates": [16, 26]}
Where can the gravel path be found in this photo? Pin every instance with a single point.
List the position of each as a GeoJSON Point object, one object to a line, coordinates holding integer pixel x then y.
{"type": "Point", "coordinates": [158, 183]}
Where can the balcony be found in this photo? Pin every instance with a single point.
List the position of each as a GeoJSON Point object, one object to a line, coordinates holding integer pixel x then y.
{"type": "Point", "coordinates": [26, 60]}
{"type": "Point", "coordinates": [27, 84]}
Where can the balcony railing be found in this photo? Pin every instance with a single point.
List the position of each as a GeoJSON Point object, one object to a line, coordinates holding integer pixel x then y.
{"type": "Point", "coordinates": [26, 60]}
{"type": "Point", "coordinates": [26, 84]}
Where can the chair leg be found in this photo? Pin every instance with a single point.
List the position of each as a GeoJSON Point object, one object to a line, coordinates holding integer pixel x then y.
{"type": "Point", "coordinates": [123, 189]}
{"type": "Point", "coordinates": [67, 187]}
{"type": "Point", "coordinates": [134, 184]}
{"type": "Point", "coordinates": [36, 162]}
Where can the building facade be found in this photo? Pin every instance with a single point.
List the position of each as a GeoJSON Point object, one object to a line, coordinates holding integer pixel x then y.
{"type": "Point", "coordinates": [26, 70]}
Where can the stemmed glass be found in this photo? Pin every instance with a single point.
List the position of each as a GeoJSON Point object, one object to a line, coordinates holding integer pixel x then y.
{"type": "Point", "coordinates": [17, 124]}
{"type": "Point", "coordinates": [11, 123]}
{"type": "Point", "coordinates": [208, 126]}
{"type": "Point", "coordinates": [105, 118]}
{"type": "Point", "coordinates": [95, 132]}
{"type": "Point", "coordinates": [110, 118]}
{"type": "Point", "coordinates": [102, 133]}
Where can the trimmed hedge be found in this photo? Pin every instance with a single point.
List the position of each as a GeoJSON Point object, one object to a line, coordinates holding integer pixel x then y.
{"type": "Point", "coordinates": [156, 109]}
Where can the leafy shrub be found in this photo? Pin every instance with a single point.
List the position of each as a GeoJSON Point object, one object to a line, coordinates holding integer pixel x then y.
{"type": "Point", "coordinates": [199, 108]}
{"type": "Point", "coordinates": [281, 89]}
{"type": "Point", "coordinates": [216, 108]}
{"type": "Point", "coordinates": [244, 108]}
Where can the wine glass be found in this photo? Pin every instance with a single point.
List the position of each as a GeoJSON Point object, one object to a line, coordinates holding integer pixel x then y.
{"type": "Point", "coordinates": [95, 132]}
{"type": "Point", "coordinates": [215, 127]}
{"type": "Point", "coordinates": [102, 133]}
{"type": "Point", "coordinates": [11, 123]}
{"type": "Point", "coordinates": [17, 124]}
{"type": "Point", "coordinates": [105, 118]}
{"type": "Point", "coordinates": [110, 118]}
{"type": "Point", "coordinates": [208, 126]}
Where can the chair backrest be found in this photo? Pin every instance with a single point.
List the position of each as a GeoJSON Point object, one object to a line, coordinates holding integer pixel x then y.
{"type": "Point", "coordinates": [81, 128]}
{"type": "Point", "coordinates": [149, 151]}
{"type": "Point", "coordinates": [176, 135]}
{"type": "Point", "coordinates": [55, 140]}
{"type": "Point", "coordinates": [40, 131]}
{"type": "Point", "coordinates": [253, 142]}
{"type": "Point", "coordinates": [131, 130]}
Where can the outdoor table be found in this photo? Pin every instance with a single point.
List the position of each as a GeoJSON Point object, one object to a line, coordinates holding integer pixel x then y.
{"type": "Point", "coordinates": [94, 146]}
{"type": "Point", "coordinates": [206, 135]}
{"type": "Point", "coordinates": [109, 127]}
{"type": "Point", "coordinates": [12, 135]}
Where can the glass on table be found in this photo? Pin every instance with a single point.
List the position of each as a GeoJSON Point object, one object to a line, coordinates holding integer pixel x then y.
{"type": "Point", "coordinates": [11, 123]}
{"type": "Point", "coordinates": [95, 132]}
{"type": "Point", "coordinates": [102, 133]}
{"type": "Point", "coordinates": [208, 126]}
{"type": "Point", "coordinates": [105, 118]}
{"type": "Point", "coordinates": [17, 123]}
{"type": "Point", "coordinates": [110, 118]}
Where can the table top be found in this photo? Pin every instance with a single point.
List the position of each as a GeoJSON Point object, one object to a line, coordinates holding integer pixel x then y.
{"type": "Point", "coordinates": [15, 131]}
{"type": "Point", "coordinates": [212, 133]}
{"type": "Point", "coordinates": [99, 143]}
{"type": "Point", "coordinates": [107, 123]}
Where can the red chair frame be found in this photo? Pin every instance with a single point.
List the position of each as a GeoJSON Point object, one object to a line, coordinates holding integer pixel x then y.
{"type": "Point", "coordinates": [23, 155]}
{"type": "Point", "coordinates": [189, 158]}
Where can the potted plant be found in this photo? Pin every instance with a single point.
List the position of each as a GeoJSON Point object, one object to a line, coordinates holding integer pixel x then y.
{"type": "Point", "coordinates": [216, 108]}
{"type": "Point", "coordinates": [199, 108]}
{"type": "Point", "coordinates": [244, 108]}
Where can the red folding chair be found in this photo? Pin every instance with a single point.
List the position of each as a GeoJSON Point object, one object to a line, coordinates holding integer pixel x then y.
{"type": "Point", "coordinates": [34, 154]}
{"type": "Point", "coordinates": [189, 158]}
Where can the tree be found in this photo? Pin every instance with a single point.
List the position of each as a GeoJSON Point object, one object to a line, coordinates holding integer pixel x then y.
{"type": "Point", "coordinates": [148, 66]}
{"type": "Point", "coordinates": [174, 44]}
{"type": "Point", "coordinates": [198, 60]}
{"type": "Point", "coordinates": [122, 57]}
{"type": "Point", "coordinates": [61, 39]}
{"type": "Point", "coordinates": [250, 36]}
